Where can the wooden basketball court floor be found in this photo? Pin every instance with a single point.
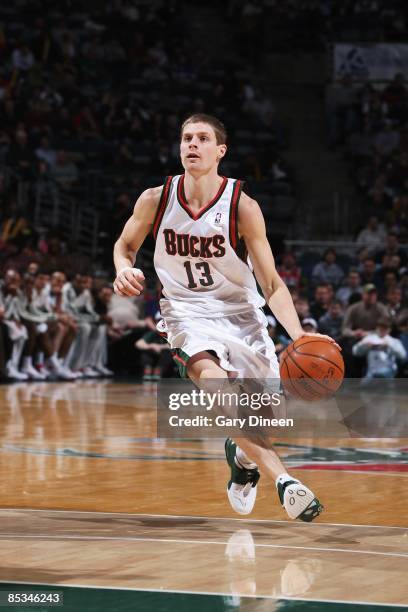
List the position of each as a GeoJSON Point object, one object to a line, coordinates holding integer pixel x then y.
{"type": "Point", "coordinates": [94, 505]}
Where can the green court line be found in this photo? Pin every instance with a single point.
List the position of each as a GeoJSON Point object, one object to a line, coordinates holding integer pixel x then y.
{"type": "Point", "coordinates": [83, 599]}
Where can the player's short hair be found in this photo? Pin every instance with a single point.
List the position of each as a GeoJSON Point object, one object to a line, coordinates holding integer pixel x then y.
{"type": "Point", "coordinates": [217, 126]}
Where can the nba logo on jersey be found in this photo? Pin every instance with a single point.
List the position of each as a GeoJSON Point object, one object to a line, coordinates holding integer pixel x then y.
{"type": "Point", "coordinates": [218, 218]}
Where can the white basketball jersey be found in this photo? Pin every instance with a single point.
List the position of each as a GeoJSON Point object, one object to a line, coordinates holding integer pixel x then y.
{"type": "Point", "coordinates": [199, 259]}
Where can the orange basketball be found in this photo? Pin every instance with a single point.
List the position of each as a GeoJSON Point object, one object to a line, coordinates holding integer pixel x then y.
{"type": "Point", "coordinates": [311, 368]}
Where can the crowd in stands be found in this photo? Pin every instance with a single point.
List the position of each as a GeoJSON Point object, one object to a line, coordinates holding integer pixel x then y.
{"type": "Point", "coordinates": [52, 328]}
{"type": "Point", "coordinates": [309, 25]}
{"type": "Point", "coordinates": [92, 99]}
{"type": "Point", "coordinates": [56, 327]}
{"type": "Point", "coordinates": [361, 301]}
{"type": "Point", "coordinates": [369, 123]}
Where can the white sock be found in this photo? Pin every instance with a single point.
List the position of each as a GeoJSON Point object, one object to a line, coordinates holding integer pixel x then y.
{"type": "Point", "coordinates": [16, 351]}
{"type": "Point", "coordinates": [243, 460]}
{"type": "Point", "coordinates": [53, 360]}
{"type": "Point", "coordinates": [27, 362]}
{"type": "Point", "coordinates": [284, 478]}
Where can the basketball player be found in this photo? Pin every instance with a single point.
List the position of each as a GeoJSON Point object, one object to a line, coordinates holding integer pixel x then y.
{"type": "Point", "coordinates": [204, 226]}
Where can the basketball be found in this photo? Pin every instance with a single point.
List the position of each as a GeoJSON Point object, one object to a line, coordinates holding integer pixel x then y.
{"type": "Point", "coordinates": [311, 368]}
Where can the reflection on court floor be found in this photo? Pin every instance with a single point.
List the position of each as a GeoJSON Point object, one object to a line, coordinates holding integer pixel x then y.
{"type": "Point", "coordinates": [92, 499]}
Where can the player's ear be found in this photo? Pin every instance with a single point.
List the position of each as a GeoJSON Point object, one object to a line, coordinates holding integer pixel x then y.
{"type": "Point", "coordinates": [222, 149]}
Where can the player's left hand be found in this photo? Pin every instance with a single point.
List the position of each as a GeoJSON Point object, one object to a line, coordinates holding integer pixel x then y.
{"type": "Point", "coordinates": [323, 336]}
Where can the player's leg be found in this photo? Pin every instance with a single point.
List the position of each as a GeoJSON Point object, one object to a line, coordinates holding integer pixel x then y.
{"type": "Point", "coordinates": [297, 499]}
{"type": "Point", "coordinates": [203, 368]}
{"type": "Point", "coordinates": [244, 460]}
{"type": "Point", "coordinates": [29, 350]}
{"type": "Point", "coordinates": [77, 355]}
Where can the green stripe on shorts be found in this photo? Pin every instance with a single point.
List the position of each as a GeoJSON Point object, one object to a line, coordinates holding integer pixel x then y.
{"type": "Point", "coordinates": [181, 358]}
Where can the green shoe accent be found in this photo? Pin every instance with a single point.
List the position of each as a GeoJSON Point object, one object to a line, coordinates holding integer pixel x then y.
{"type": "Point", "coordinates": [239, 475]}
{"type": "Point", "coordinates": [313, 509]}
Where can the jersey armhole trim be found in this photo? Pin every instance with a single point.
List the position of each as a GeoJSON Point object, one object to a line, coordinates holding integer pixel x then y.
{"type": "Point", "coordinates": [164, 198]}
{"type": "Point", "coordinates": [233, 216]}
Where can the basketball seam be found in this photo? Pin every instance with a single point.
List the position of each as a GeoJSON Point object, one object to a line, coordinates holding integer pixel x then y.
{"type": "Point", "coordinates": [300, 391]}
{"type": "Point", "coordinates": [312, 393]}
{"type": "Point", "coordinates": [320, 357]}
{"type": "Point", "coordinates": [306, 374]}
{"type": "Point", "coordinates": [288, 381]}
{"type": "Point", "coordinates": [309, 341]}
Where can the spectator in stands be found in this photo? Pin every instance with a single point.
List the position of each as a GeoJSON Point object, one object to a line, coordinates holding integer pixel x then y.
{"type": "Point", "coordinates": [362, 254]}
{"type": "Point", "coordinates": [389, 281]}
{"type": "Point", "coordinates": [46, 302]}
{"type": "Point", "coordinates": [328, 271]}
{"type": "Point", "coordinates": [395, 305]}
{"type": "Point", "coordinates": [128, 325]}
{"type": "Point", "coordinates": [381, 350]}
{"type": "Point", "coordinates": [402, 330]}
{"type": "Point", "coordinates": [379, 195]}
{"type": "Point", "coordinates": [65, 172]}
{"type": "Point", "coordinates": [126, 313]}
{"type": "Point", "coordinates": [309, 325]}
{"type": "Point", "coordinates": [281, 340]}
{"type": "Point", "coordinates": [156, 356]}
{"type": "Point", "coordinates": [362, 317]}
{"type": "Point", "coordinates": [75, 302]}
{"type": "Point", "coordinates": [302, 307]}
{"type": "Point", "coordinates": [45, 306]}
{"type": "Point", "coordinates": [289, 271]}
{"type": "Point", "coordinates": [323, 295]}
{"type": "Point", "coordinates": [46, 153]}
{"type": "Point", "coordinates": [37, 337]}
{"type": "Point", "coordinates": [55, 257]}
{"type": "Point", "coordinates": [332, 322]}
{"type": "Point", "coordinates": [387, 140]}
{"type": "Point", "coordinates": [392, 247]}
{"type": "Point", "coordinates": [22, 58]}
{"type": "Point", "coordinates": [373, 236]}
{"type": "Point", "coordinates": [351, 290]}
{"type": "Point", "coordinates": [16, 331]}
{"type": "Point", "coordinates": [397, 217]}
{"type": "Point", "coordinates": [26, 255]}
{"type": "Point", "coordinates": [369, 272]}
{"type": "Point", "coordinates": [88, 353]}
{"type": "Point", "coordinates": [102, 299]}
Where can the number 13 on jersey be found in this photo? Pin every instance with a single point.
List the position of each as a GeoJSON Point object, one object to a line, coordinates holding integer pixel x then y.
{"type": "Point", "coordinates": [204, 274]}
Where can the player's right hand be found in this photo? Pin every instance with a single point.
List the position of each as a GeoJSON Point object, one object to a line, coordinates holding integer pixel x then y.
{"type": "Point", "coordinates": [129, 282]}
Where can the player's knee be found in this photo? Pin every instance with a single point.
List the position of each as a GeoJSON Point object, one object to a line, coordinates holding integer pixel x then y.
{"type": "Point", "coordinates": [207, 373]}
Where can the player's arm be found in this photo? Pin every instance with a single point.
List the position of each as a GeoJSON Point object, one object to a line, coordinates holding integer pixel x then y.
{"type": "Point", "coordinates": [251, 227]}
{"type": "Point", "coordinates": [128, 279]}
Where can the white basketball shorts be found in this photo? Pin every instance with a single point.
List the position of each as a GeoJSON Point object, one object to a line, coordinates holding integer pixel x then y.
{"type": "Point", "coordinates": [241, 343]}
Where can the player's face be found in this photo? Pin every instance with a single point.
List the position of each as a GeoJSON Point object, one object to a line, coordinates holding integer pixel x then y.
{"type": "Point", "coordinates": [199, 150]}
{"type": "Point", "coordinates": [12, 280]}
